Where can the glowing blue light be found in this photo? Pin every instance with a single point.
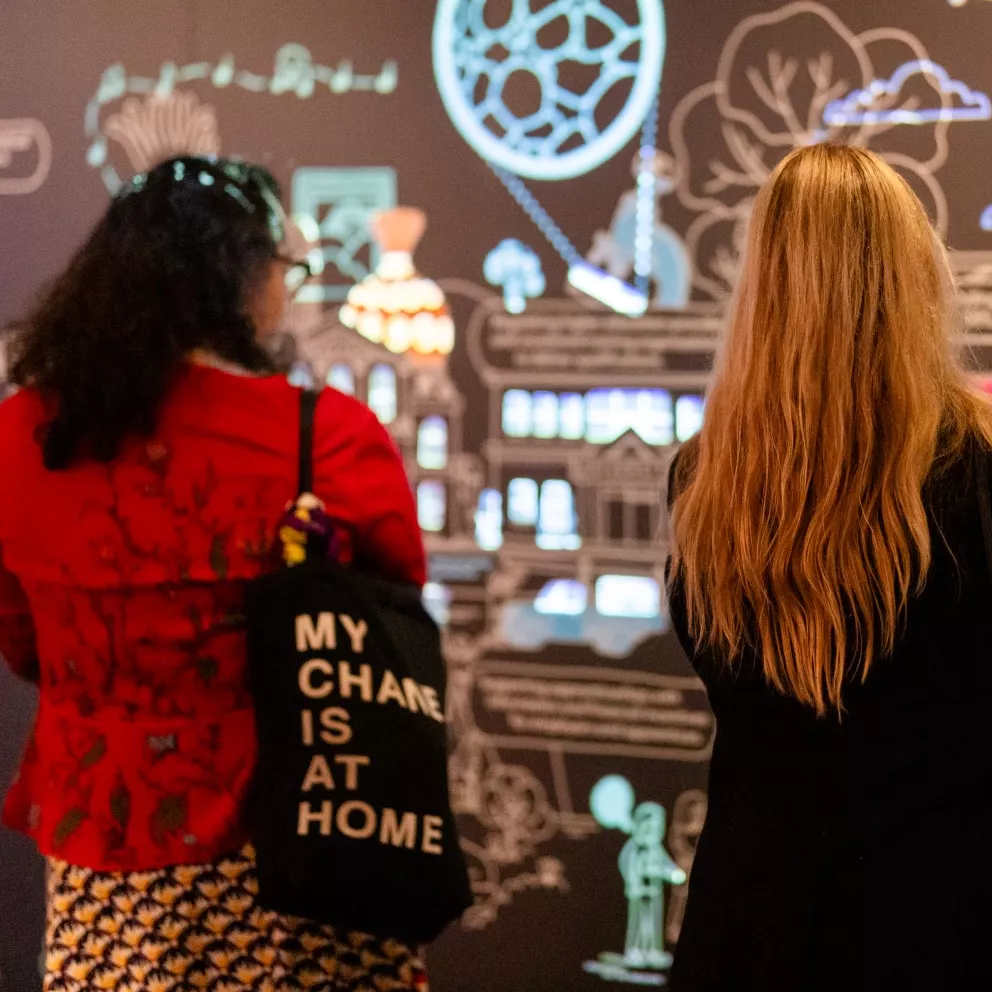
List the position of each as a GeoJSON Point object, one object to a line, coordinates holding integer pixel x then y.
{"type": "Point", "coordinates": [688, 416]}
{"type": "Point", "coordinates": [382, 393]}
{"type": "Point", "coordinates": [470, 81]}
{"type": "Point", "coordinates": [489, 520]}
{"type": "Point", "coordinates": [571, 416]}
{"type": "Point", "coordinates": [611, 803]}
{"type": "Point", "coordinates": [432, 443]}
{"type": "Point", "coordinates": [855, 109]}
{"type": "Point", "coordinates": [437, 602]}
{"type": "Point", "coordinates": [301, 376]}
{"type": "Point", "coordinates": [518, 413]}
{"type": "Point", "coordinates": [610, 413]}
{"type": "Point", "coordinates": [517, 268]}
{"type": "Point", "coordinates": [522, 502]}
{"type": "Point", "coordinates": [556, 522]}
{"type": "Point", "coordinates": [608, 290]}
{"type": "Point", "coordinates": [545, 415]}
{"type": "Point", "coordinates": [986, 221]}
{"type": "Point", "coordinates": [432, 506]}
{"type": "Point", "coordinates": [635, 596]}
{"type": "Point", "coordinates": [342, 378]}
{"type": "Point", "coordinates": [563, 598]}
{"type": "Point", "coordinates": [206, 179]}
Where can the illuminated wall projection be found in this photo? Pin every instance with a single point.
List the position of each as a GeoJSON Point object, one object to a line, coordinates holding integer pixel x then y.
{"type": "Point", "coordinates": [478, 64]}
{"type": "Point", "coordinates": [645, 869]}
{"type": "Point", "coordinates": [341, 203]}
{"type": "Point", "coordinates": [797, 75]}
{"type": "Point", "coordinates": [25, 156]}
{"type": "Point", "coordinates": [152, 119]}
{"type": "Point", "coordinates": [539, 379]}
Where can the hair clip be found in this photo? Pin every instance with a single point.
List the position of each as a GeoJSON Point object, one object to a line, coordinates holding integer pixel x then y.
{"type": "Point", "coordinates": [238, 194]}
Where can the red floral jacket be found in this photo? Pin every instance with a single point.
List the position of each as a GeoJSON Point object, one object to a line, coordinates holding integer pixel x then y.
{"type": "Point", "coordinates": [121, 590]}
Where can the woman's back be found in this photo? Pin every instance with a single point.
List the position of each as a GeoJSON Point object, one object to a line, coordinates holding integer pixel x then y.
{"type": "Point", "coordinates": [133, 575]}
{"type": "Point", "coordinates": [854, 852]}
{"type": "Point", "coordinates": [829, 577]}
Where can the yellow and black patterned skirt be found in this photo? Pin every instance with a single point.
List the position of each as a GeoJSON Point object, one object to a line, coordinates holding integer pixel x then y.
{"type": "Point", "coordinates": [197, 928]}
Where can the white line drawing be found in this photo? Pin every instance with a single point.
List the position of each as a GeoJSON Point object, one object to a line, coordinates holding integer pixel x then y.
{"type": "Point", "coordinates": [18, 138]}
{"type": "Point", "coordinates": [163, 125]}
{"type": "Point", "coordinates": [475, 62]}
{"type": "Point", "coordinates": [768, 101]}
{"type": "Point", "coordinates": [172, 117]}
{"type": "Point", "coordinates": [859, 107]}
{"type": "Point", "coordinates": [542, 145]}
{"type": "Point", "coordinates": [341, 203]}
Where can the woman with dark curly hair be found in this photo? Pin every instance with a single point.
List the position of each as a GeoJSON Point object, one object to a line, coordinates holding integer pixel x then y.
{"type": "Point", "coordinates": [154, 452]}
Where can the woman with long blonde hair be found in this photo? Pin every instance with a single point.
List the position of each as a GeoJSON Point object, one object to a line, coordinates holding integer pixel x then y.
{"type": "Point", "coordinates": [829, 579]}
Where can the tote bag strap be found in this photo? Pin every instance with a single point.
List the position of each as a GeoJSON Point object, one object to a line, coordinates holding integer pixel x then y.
{"type": "Point", "coordinates": [985, 504]}
{"type": "Point", "coordinates": [308, 409]}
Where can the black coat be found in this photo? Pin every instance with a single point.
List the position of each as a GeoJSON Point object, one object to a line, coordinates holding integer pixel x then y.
{"type": "Point", "coordinates": [857, 854]}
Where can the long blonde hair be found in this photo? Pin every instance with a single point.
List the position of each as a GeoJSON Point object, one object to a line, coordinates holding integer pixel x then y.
{"type": "Point", "coordinates": [799, 527]}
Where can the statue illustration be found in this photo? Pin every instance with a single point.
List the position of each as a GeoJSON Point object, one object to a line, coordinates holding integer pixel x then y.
{"type": "Point", "coordinates": [646, 867]}
{"type": "Point", "coordinates": [615, 249]}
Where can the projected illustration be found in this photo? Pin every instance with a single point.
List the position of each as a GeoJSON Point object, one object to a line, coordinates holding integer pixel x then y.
{"type": "Point", "coordinates": [565, 133]}
{"type": "Point", "coordinates": [797, 75]}
{"type": "Point", "coordinates": [863, 106]}
{"type": "Point", "coordinates": [153, 118]}
{"type": "Point", "coordinates": [25, 156]}
{"type": "Point", "coordinates": [341, 203]}
{"type": "Point", "coordinates": [565, 136]}
{"type": "Point", "coordinates": [638, 245]}
{"type": "Point", "coordinates": [516, 268]}
{"type": "Point", "coordinates": [645, 867]}
{"type": "Point", "coordinates": [587, 213]}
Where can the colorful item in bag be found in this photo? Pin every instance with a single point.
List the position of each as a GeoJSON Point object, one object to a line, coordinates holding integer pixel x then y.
{"type": "Point", "coordinates": [306, 531]}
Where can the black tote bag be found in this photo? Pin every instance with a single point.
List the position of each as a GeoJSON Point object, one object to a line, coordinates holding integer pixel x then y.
{"type": "Point", "coordinates": [350, 813]}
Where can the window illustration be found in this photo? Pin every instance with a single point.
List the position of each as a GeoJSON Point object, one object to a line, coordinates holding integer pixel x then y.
{"type": "Point", "coordinates": [432, 443]}
{"type": "Point", "coordinates": [610, 413]}
{"type": "Point", "coordinates": [633, 596]}
{"type": "Point", "coordinates": [382, 393]}
{"type": "Point", "coordinates": [571, 416]}
{"type": "Point", "coordinates": [518, 413]}
{"type": "Point", "coordinates": [489, 520]}
{"type": "Point", "coordinates": [432, 508]}
{"type": "Point", "coordinates": [342, 378]}
{"type": "Point", "coordinates": [556, 523]}
{"type": "Point", "coordinates": [522, 502]}
{"type": "Point", "coordinates": [563, 598]}
{"type": "Point", "coordinates": [545, 411]}
{"type": "Point", "coordinates": [688, 416]}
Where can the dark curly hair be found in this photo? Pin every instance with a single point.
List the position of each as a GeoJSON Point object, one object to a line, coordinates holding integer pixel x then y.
{"type": "Point", "coordinates": [170, 268]}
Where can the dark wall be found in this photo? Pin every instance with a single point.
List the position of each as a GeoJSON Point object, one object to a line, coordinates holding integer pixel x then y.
{"type": "Point", "coordinates": [744, 81]}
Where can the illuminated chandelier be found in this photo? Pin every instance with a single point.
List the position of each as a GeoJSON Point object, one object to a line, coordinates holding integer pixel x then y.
{"type": "Point", "coordinates": [395, 306]}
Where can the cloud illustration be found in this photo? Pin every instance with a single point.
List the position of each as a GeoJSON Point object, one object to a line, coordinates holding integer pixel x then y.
{"type": "Point", "coordinates": [862, 106]}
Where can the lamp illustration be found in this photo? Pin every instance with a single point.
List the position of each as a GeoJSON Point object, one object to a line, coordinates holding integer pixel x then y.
{"type": "Point", "coordinates": [395, 306]}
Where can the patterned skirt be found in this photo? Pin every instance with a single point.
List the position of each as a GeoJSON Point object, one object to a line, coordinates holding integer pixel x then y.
{"type": "Point", "coordinates": [197, 928]}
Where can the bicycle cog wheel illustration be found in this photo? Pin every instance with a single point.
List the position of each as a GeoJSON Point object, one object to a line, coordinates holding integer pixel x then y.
{"type": "Point", "coordinates": [577, 57]}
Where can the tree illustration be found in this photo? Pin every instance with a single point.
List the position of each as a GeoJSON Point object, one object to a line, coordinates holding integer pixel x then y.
{"type": "Point", "coordinates": [776, 77]}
